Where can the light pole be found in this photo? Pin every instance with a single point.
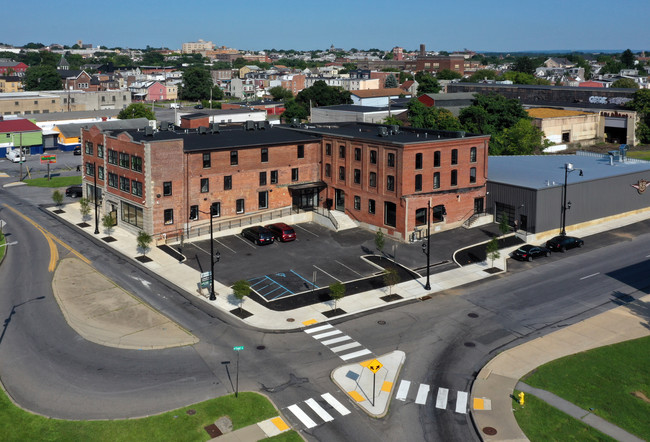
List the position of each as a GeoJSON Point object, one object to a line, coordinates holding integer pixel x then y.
{"type": "Point", "coordinates": [213, 297]}
{"type": "Point", "coordinates": [95, 198]}
{"type": "Point", "coordinates": [568, 167]}
{"type": "Point", "coordinates": [426, 248]}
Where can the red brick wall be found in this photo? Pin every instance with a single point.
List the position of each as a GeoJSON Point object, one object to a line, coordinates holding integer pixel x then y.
{"type": "Point", "coordinates": [187, 123]}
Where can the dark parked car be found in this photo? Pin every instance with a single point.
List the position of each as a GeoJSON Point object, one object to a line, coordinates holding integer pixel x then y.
{"type": "Point", "coordinates": [76, 151]}
{"type": "Point", "coordinates": [258, 234]}
{"type": "Point", "coordinates": [74, 192]}
{"type": "Point", "coordinates": [282, 232]}
{"type": "Point", "coordinates": [528, 252]}
{"type": "Point", "coordinates": [562, 243]}
{"type": "Point", "coordinates": [198, 106]}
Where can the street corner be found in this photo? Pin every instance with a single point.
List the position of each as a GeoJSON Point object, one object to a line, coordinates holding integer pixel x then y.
{"type": "Point", "coordinates": [369, 383]}
{"type": "Point", "coordinates": [273, 427]}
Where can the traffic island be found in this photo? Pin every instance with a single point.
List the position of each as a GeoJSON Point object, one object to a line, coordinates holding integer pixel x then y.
{"type": "Point", "coordinates": [370, 383]}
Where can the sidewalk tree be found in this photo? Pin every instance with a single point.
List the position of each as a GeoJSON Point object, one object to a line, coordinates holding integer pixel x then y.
{"type": "Point", "coordinates": [492, 250]}
{"type": "Point", "coordinates": [380, 241]}
{"type": "Point", "coordinates": [391, 277]}
{"type": "Point", "coordinates": [144, 241]}
{"type": "Point", "coordinates": [504, 227]}
{"type": "Point", "coordinates": [337, 292]}
{"type": "Point", "coordinates": [241, 289]}
{"type": "Point", "coordinates": [107, 223]}
{"type": "Point", "coordinates": [84, 208]}
{"type": "Point", "coordinates": [57, 197]}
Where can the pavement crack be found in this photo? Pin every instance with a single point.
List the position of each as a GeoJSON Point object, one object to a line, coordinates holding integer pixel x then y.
{"type": "Point", "coordinates": [293, 380]}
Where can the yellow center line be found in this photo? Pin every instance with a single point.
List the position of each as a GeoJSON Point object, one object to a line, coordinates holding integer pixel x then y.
{"type": "Point", "coordinates": [54, 254]}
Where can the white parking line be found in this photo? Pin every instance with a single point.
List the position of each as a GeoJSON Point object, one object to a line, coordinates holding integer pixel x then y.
{"type": "Point", "coordinates": [335, 340]}
{"type": "Point", "coordinates": [308, 231]}
{"type": "Point", "coordinates": [441, 399]}
{"type": "Point", "coordinates": [356, 354]}
{"type": "Point", "coordinates": [245, 241]}
{"type": "Point", "coordinates": [232, 250]}
{"type": "Point", "coordinates": [350, 269]}
{"type": "Point", "coordinates": [589, 276]}
{"type": "Point", "coordinates": [306, 420]}
{"type": "Point", "coordinates": [331, 276]}
{"type": "Point", "coordinates": [335, 404]}
{"type": "Point", "coordinates": [461, 402]}
{"type": "Point", "coordinates": [423, 392]}
{"type": "Point", "coordinates": [319, 328]}
{"type": "Point", "coordinates": [403, 390]}
{"type": "Point", "coordinates": [345, 347]}
{"type": "Point", "coordinates": [326, 334]}
{"type": "Point", "coordinates": [319, 410]}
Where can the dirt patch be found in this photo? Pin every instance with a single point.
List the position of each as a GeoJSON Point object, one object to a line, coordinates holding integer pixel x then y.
{"type": "Point", "coordinates": [641, 395]}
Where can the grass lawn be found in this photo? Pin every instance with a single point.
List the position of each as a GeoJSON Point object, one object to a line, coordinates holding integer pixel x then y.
{"type": "Point", "coordinates": [177, 425]}
{"type": "Point", "coordinates": [542, 422]}
{"type": "Point", "coordinates": [613, 380]}
{"type": "Point", "coordinates": [57, 181]}
{"type": "Point", "coordinates": [640, 154]}
{"type": "Point", "coordinates": [2, 246]}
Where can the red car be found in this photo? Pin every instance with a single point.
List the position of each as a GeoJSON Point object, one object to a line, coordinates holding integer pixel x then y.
{"type": "Point", "coordinates": [282, 232]}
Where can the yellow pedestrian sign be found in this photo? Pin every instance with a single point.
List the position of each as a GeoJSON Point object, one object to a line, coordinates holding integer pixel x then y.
{"type": "Point", "coordinates": [374, 365]}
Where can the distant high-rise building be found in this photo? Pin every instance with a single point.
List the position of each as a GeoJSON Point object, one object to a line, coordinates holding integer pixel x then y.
{"type": "Point", "coordinates": [197, 46]}
{"type": "Point", "coordinates": [398, 53]}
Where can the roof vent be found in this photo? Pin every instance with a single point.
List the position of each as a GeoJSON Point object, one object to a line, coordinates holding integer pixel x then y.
{"type": "Point", "coordinates": [394, 128]}
{"type": "Point", "coordinates": [295, 122]}
{"type": "Point", "coordinates": [460, 134]}
{"type": "Point", "coordinates": [382, 131]}
{"type": "Point", "coordinates": [214, 128]}
{"type": "Point", "coordinates": [203, 130]}
{"type": "Point", "coordinates": [249, 125]}
{"type": "Point", "coordinates": [148, 131]}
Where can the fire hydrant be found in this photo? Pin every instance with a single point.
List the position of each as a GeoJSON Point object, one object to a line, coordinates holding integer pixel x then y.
{"type": "Point", "coordinates": [521, 398]}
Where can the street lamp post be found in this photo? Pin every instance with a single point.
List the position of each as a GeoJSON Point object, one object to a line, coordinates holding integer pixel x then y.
{"type": "Point", "coordinates": [95, 198]}
{"type": "Point", "coordinates": [568, 168]}
{"type": "Point", "coordinates": [426, 248]}
{"type": "Point", "coordinates": [213, 297]}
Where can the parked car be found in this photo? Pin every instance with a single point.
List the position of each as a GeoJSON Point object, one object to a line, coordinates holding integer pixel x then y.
{"type": "Point", "coordinates": [282, 232]}
{"type": "Point", "coordinates": [258, 234]}
{"type": "Point", "coordinates": [74, 192]}
{"type": "Point", "coordinates": [14, 156]}
{"type": "Point", "coordinates": [562, 243]}
{"type": "Point", "coordinates": [76, 151]}
{"type": "Point", "coordinates": [174, 106]}
{"type": "Point", "coordinates": [528, 252]}
{"type": "Point", "coordinates": [198, 106]}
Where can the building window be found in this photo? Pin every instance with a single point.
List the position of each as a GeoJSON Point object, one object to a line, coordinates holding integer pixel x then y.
{"type": "Point", "coordinates": [438, 213]}
{"type": "Point", "coordinates": [125, 184]}
{"type": "Point", "coordinates": [472, 175]}
{"type": "Point", "coordinates": [264, 155]}
{"type": "Point", "coordinates": [454, 157]}
{"type": "Point", "coordinates": [390, 214]}
{"type": "Point", "coordinates": [167, 188]}
{"type": "Point", "coordinates": [274, 177]}
{"type": "Point", "coordinates": [100, 172]}
{"type": "Point", "coordinates": [125, 160]}
{"type": "Point", "coordinates": [100, 151]}
{"type": "Point", "coordinates": [472, 155]}
{"type": "Point", "coordinates": [373, 157]}
{"type": "Point", "coordinates": [371, 206]}
{"type": "Point", "coordinates": [112, 180]}
{"type": "Point", "coordinates": [294, 174]}
{"type": "Point", "coordinates": [390, 183]}
{"type": "Point", "coordinates": [89, 148]}
{"type": "Point", "coordinates": [90, 169]}
{"type": "Point", "coordinates": [328, 170]}
{"type": "Point", "coordinates": [207, 163]}
{"type": "Point", "coordinates": [341, 151]}
{"type": "Point", "coordinates": [194, 213]}
{"type": "Point", "coordinates": [131, 214]}
{"type": "Point", "coordinates": [391, 160]}
{"type": "Point", "coordinates": [454, 178]}
{"type": "Point", "coordinates": [357, 154]}
{"type": "Point", "coordinates": [263, 199]}
{"type": "Point", "coordinates": [205, 185]}
{"type": "Point", "coordinates": [418, 182]}
{"type": "Point", "coordinates": [436, 158]}
{"type": "Point", "coordinates": [240, 206]}
{"type": "Point", "coordinates": [301, 151]}
{"type": "Point", "coordinates": [357, 202]}
{"type": "Point", "coordinates": [136, 188]}
{"type": "Point", "coordinates": [262, 178]}
{"type": "Point", "coordinates": [234, 160]}
{"type": "Point", "coordinates": [136, 163]}
{"type": "Point", "coordinates": [372, 179]}
{"type": "Point", "coordinates": [169, 216]}
{"type": "Point", "coordinates": [112, 157]}
{"type": "Point", "coordinates": [227, 182]}
{"type": "Point", "coordinates": [418, 161]}
{"type": "Point", "coordinates": [436, 180]}
{"type": "Point", "coordinates": [328, 148]}
{"type": "Point", "coordinates": [215, 210]}
{"type": "Point", "coordinates": [342, 173]}
{"type": "Point", "coordinates": [421, 216]}
{"type": "Point", "coordinates": [357, 176]}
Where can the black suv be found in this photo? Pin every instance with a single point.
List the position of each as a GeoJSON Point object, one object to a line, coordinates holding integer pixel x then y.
{"type": "Point", "coordinates": [74, 192]}
{"type": "Point", "coordinates": [562, 243]}
{"type": "Point", "coordinates": [258, 234]}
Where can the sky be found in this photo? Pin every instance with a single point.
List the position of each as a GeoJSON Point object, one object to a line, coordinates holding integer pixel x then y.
{"type": "Point", "coordinates": [482, 26]}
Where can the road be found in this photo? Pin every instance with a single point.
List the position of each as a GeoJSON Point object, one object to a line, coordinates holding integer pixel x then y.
{"type": "Point", "coordinates": [49, 369]}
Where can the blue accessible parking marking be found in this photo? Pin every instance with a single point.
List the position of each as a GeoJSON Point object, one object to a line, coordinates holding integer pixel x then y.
{"type": "Point", "coordinates": [281, 284]}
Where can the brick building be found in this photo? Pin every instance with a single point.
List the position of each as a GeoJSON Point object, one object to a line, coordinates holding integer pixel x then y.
{"type": "Point", "coordinates": [454, 63]}
{"type": "Point", "coordinates": [166, 182]}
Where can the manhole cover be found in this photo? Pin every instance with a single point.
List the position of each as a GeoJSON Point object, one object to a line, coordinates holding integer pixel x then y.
{"type": "Point", "coordinates": [191, 412]}
{"type": "Point", "coordinates": [261, 347]}
{"type": "Point", "coordinates": [490, 431]}
{"type": "Point", "coordinates": [469, 344]}
{"type": "Point", "coordinates": [473, 315]}
{"type": "Point", "coordinates": [290, 319]}
{"type": "Point", "coordinates": [381, 322]}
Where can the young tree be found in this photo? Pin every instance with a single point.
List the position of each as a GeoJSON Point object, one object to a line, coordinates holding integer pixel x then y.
{"type": "Point", "coordinates": [337, 292]}
{"type": "Point", "coordinates": [241, 289]}
{"type": "Point", "coordinates": [492, 250]}
{"type": "Point", "coordinates": [107, 223]}
{"type": "Point", "coordinates": [136, 110]}
{"type": "Point", "coordinates": [391, 277]}
{"type": "Point", "coordinates": [144, 241]}
{"type": "Point", "coordinates": [504, 227]}
{"type": "Point", "coordinates": [84, 208]}
{"type": "Point", "coordinates": [391, 82]}
{"type": "Point", "coordinates": [57, 197]}
{"type": "Point", "coordinates": [380, 241]}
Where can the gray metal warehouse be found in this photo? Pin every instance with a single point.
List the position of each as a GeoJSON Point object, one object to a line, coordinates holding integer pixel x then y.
{"type": "Point", "coordinates": [530, 190]}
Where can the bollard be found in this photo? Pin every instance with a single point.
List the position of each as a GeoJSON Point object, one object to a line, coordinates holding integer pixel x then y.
{"type": "Point", "coordinates": [521, 398]}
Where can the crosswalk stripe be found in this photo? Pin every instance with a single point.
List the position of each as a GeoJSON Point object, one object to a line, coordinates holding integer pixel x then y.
{"type": "Point", "coordinates": [319, 328]}
{"type": "Point", "coordinates": [306, 420]}
{"type": "Point", "coordinates": [345, 347]}
{"type": "Point", "coordinates": [326, 334]}
{"type": "Point", "coordinates": [335, 404]}
{"type": "Point", "coordinates": [403, 390]}
{"type": "Point", "coordinates": [335, 340]}
{"type": "Point", "coordinates": [356, 354]}
{"type": "Point", "coordinates": [319, 410]}
{"type": "Point", "coordinates": [441, 399]}
{"type": "Point", "coordinates": [461, 402]}
{"type": "Point", "coordinates": [423, 392]}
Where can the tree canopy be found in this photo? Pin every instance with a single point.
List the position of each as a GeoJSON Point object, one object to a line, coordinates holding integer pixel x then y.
{"type": "Point", "coordinates": [521, 139]}
{"type": "Point", "coordinates": [431, 117]}
{"type": "Point", "coordinates": [448, 74]}
{"type": "Point", "coordinates": [320, 94]}
{"type": "Point", "coordinates": [42, 78]}
{"type": "Point", "coordinates": [628, 59]}
{"type": "Point", "coordinates": [525, 64]}
{"type": "Point", "coordinates": [427, 83]}
{"type": "Point", "coordinates": [153, 58]}
{"type": "Point", "coordinates": [641, 104]}
{"type": "Point", "coordinates": [625, 83]}
{"type": "Point", "coordinates": [280, 94]}
{"type": "Point", "coordinates": [480, 75]}
{"type": "Point", "coordinates": [136, 110]}
{"type": "Point", "coordinates": [197, 83]}
{"type": "Point", "coordinates": [391, 81]}
{"type": "Point", "coordinates": [491, 114]}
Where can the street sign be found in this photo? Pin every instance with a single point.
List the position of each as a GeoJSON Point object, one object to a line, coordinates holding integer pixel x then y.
{"type": "Point", "coordinates": [2, 224]}
{"type": "Point", "coordinates": [50, 159]}
{"type": "Point", "coordinates": [205, 284]}
{"type": "Point", "coordinates": [374, 365]}
{"type": "Point", "coordinates": [238, 348]}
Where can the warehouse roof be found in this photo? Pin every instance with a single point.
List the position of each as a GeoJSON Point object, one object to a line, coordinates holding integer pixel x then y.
{"type": "Point", "coordinates": [547, 112]}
